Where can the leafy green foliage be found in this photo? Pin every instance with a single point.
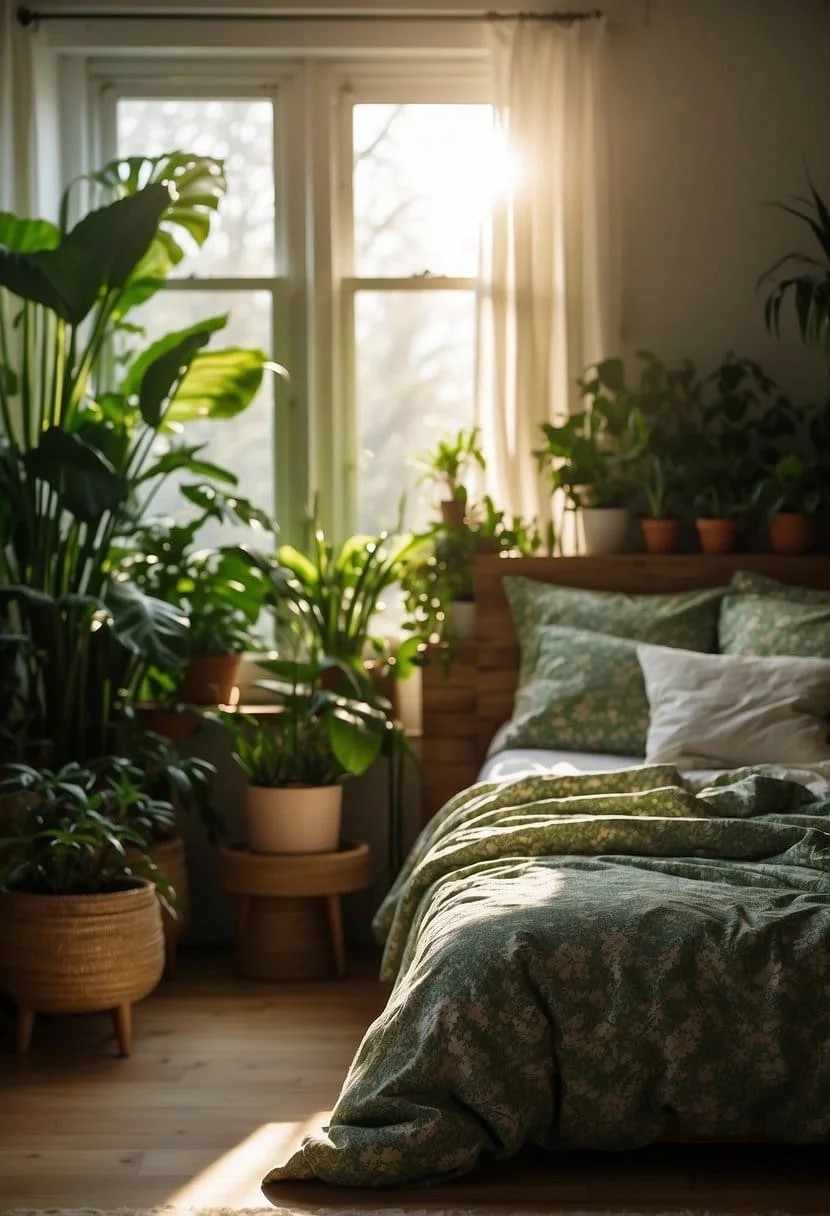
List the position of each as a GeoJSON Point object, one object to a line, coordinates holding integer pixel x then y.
{"type": "Point", "coordinates": [79, 456]}
{"type": "Point", "coordinates": [452, 458]}
{"type": "Point", "coordinates": [327, 598]}
{"type": "Point", "coordinates": [329, 725]}
{"type": "Point", "coordinates": [71, 827]}
{"type": "Point", "coordinates": [809, 287]}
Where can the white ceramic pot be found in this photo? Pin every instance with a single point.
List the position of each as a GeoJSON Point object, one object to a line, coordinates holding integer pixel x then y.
{"type": "Point", "coordinates": [463, 620]}
{"type": "Point", "coordinates": [602, 530]}
{"type": "Point", "coordinates": [294, 819]}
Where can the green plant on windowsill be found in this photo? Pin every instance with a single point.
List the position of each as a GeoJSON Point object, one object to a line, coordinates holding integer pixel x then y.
{"type": "Point", "coordinates": [326, 599]}
{"type": "Point", "coordinates": [448, 464]}
{"type": "Point", "coordinates": [440, 570]}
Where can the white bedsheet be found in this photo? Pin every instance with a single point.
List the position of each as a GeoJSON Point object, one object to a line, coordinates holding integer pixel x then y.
{"type": "Point", "coordinates": [511, 762]}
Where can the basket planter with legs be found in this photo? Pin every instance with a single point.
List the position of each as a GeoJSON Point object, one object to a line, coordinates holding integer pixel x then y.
{"type": "Point", "coordinates": [80, 953]}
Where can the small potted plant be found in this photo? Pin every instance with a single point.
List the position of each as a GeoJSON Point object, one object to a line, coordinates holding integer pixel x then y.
{"type": "Point", "coordinates": [795, 497]}
{"type": "Point", "coordinates": [80, 923]}
{"type": "Point", "coordinates": [447, 465]}
{"type": "Point", "coordinates": [216, 591]}
{"type": "Point", "coordinates": [327, 598]}
{"type": "Point", "coordinates": [296, 759]}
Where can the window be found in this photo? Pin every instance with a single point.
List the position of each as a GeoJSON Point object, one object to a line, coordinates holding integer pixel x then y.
{"type": "Point", "coordinates": [233, 273]}
{"type": "Point", "coordinates": [352, 257]}
{"type": "Point", "coordinates": [417, 203]}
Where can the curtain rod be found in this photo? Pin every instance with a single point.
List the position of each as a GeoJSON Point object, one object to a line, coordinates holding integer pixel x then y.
{"type": "Point", "coordinates": [27, 16]}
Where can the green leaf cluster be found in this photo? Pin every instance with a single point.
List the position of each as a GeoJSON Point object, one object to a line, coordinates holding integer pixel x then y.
{"type": "Point", "coordinates": [71, 827]}
{"type": "Point", "coordinates": [329, 725]}
{"type": "Point", "coordinates": [87, 415]}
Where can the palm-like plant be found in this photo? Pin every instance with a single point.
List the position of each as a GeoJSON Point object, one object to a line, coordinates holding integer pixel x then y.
{"type": "Point", "coordinates": [79, 452]}
{"type": "Point", "coordinates": [809, 286]}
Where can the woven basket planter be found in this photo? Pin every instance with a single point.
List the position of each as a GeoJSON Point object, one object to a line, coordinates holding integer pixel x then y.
{"type": "Point", "coordinates": [80, 954]}
{"type": "Point", "coordinates": [169, 858]}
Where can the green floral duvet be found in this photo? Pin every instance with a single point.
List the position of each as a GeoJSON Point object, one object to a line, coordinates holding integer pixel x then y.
{"type": "Point", "coordinates": [585, 962]}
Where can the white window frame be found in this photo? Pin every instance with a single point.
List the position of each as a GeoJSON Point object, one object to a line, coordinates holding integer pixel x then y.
{"type": "Point", "coordinates": [313, 289]}
{"type": "Point", "coordinates": [425, 85]}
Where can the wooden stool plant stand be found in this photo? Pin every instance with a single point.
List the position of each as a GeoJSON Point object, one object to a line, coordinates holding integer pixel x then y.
{"type": "Point", "coordinates": [289, 922]}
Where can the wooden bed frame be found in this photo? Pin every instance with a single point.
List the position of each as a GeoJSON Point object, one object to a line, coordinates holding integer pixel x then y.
{"type": "Point", "coordinates": [468, 687]}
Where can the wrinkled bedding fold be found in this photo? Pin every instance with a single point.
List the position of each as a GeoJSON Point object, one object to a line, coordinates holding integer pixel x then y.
{"type": "Point", "coordinates": [579, 961]}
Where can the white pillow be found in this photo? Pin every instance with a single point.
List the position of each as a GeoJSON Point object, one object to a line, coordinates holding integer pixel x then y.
{"type": "Point", "coordinates": [724, 711]}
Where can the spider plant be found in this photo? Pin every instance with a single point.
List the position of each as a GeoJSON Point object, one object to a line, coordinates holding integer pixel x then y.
{"type": "Point", "coordinates": [806, 279]}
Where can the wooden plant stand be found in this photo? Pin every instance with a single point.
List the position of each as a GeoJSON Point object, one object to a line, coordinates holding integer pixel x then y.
{"type": "Point", "coordinates": [289, 922]}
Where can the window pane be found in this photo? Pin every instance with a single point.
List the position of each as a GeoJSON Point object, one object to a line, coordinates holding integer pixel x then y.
{"type": "Point", "coordinates": [421, 187]}
{"type": "Point", "coordinates": [414, 378]}
{"type": "Point", "coordinates": [244, 445]}
{"type": "Point", "coordinates": [240, 132]}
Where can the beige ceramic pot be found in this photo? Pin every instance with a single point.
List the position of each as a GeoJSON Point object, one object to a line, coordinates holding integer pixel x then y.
{"type": "Point", "coordinates": [294, 819]}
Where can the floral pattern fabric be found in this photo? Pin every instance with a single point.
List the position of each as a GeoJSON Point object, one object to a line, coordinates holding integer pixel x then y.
{"type": "Point", "coordinates": [578, 959]}
{"type": "Point", "coordinates": [761, 616]}
{"type": "Point", "coordinates": [688, 620]}
{"type": "Point", "coordinates": [586, 694]}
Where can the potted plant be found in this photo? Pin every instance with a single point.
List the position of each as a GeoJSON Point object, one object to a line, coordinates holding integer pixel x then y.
{"type": "Point", "coordinates": [83, 449]}
{"type": "Point", "coordinates": [215, 590]}
{"type": "Point", "coordinates": [296, 759]}
{"type": "Point", "coordinates": [447, 465]}
{"type": "Point", "coordinates": [795, 496]}
{"type": "Point", "coordinates": [326, 600]}
{"type": "Point", "coordinates": [80, 924]}
{"type": "Point", "coordinates": [742, 416]}
{"type": "Point", "coordinates": [438, 579]}
{"type": "Point", "coordinates": [665, 401]}
{"type": "Point", "coordinates": [590, 458]}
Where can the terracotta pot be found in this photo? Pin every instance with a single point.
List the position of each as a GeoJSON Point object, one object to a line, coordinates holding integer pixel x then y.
{"type": "Point", "coordinates": [661, 535]}
{"type": "Point", "coordinates": [790, 532]}
{"type": "Point", "coordinates": [210, 679]}
{"type": "Point", "coordinates": [717, 535]}
{"type": "Point", "coordinates": [453, 512]}
{"type": "Point", "coordinates": [294, 819]}
{"type": "Point", "coordinates": [174, 724]}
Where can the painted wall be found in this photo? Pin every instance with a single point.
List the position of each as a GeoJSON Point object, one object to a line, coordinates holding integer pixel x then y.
{"type": "Point", "coordinates": [715, 107]}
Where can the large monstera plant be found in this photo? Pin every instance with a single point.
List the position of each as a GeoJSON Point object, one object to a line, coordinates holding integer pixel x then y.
{"type": "Point", "coordinates": [89, 419]}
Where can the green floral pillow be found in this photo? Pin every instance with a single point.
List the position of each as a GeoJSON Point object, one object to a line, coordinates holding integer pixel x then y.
{"type": "Point", "coordinates": [586, 694]}
{"type": "Point", "coordinates": [688, 620]}
{"type": "Point", "coordinates": [760, 616]}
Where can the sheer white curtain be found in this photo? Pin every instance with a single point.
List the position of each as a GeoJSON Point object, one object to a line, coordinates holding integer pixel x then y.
{"type": "Point", "coordinates": [549, 305]}
{"type": "Point", "coordinates": [29, 146]}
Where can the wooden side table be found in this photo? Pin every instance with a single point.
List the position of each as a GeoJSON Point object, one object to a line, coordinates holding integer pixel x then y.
{"type": "Point", "coordinates": [289, 921]}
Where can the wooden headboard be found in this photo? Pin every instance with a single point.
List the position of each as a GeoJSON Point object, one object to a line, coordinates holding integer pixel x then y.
{"type": "Point", "coordinates": [468, 689]}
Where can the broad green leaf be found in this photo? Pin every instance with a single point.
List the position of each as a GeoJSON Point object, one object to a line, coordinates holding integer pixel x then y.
{"type": "Point", "coordinates": [218, 384]}
{"type": "Point", "coordinates": [27, 235]}
{"type": "Point", "coordinates": [149, 628]}
{"type": "Point", "coordinates": [354, 745]}
{"type": "Point", "coordinates": [99, 252]}
{"type": "Point", "coordinates": [86, 483]}
{"type": "Point", "coordinates": [157, 371]}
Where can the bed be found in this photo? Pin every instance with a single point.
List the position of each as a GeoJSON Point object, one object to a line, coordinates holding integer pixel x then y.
{"type": "Point", "coordinates": [616, 928]}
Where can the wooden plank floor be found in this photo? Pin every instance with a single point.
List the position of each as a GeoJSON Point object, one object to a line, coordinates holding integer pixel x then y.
{"type": "Point", "coordinates": [226, 1074]}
